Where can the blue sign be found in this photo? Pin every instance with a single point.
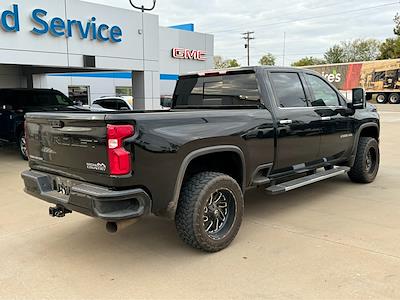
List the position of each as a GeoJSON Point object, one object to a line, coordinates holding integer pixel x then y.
{"type": "Point", "coordinates": [59, 27]}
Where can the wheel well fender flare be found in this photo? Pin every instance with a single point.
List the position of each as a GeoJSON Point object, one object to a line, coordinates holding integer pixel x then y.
{"type": "Point", "coordinates": [358, 135]}
{"type": "Point", "coordinates": [193, 155]}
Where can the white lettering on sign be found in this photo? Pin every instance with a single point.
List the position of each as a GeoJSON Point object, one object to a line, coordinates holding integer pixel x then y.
{"type": "Point", "coordinates": [182, 53]}
{"type": "Point", "coordinates": [333, 77]}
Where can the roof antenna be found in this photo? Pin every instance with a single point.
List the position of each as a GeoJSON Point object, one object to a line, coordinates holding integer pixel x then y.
{"type": "Point", "coordinates": [142, 8]}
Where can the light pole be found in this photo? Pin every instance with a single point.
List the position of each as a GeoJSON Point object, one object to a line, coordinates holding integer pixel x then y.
{"type": "Point", "coordinates": [142, 8]}
{"type": "Point", "coordinates": [143, 33]}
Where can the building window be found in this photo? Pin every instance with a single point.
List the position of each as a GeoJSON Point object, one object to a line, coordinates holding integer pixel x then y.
{"type": "Point", "coordinates": [121, 91]}
{"type": "Point", "coordinates": [79, 94]}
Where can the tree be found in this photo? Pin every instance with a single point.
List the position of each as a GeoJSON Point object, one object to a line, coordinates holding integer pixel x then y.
{"type": "Point", "coordinates": [361, 50]}
{"type": "Point", "coordinates": [350, 51]}
{"type": "Point", "coordinates": [267, 60]}
{"type": "Point", "coordinates": [396, 29]}
{"type": "Point", "coordinates": [220, 63]}
{"type": "Point", "coordinates": [390, 48]}
{"type": "Point", "coordinates": [335, 55]}
{"type": "Point", "coordinates": [308, 61]}
{"type": "Point", "coordinates": [232, 63]}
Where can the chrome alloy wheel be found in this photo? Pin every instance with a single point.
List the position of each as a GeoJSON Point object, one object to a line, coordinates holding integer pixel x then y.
{"type": "Point", "coordinates": [22, 146]}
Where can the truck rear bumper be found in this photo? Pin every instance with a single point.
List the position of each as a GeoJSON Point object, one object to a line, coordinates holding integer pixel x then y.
{"type": "Point", "coordinates": [92, 200]}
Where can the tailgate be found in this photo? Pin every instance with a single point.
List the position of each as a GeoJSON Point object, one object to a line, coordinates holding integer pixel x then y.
{"type": "Point", "coordinates": [75, 143]}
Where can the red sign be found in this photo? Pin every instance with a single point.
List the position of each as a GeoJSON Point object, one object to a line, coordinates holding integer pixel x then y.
{"type": "Point", "coordinates": [182, 53]}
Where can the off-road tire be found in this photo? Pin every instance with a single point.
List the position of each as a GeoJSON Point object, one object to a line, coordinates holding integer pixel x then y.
{"type": "Point", "coordinates": [360, 172]}
{"type": "Point", "coordinates": [194, 198]}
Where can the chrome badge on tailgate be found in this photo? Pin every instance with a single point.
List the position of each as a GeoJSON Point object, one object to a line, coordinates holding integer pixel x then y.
{"type": "Point", "coordinates": [96, 166]}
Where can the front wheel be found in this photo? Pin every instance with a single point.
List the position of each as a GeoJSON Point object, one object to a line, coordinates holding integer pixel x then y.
{"type": "Point", "coordinates": [22, 146]}
{"type": "Point", "coordinates": [366, 165]}
{"type": "Point", "coordinates": [210, 211]}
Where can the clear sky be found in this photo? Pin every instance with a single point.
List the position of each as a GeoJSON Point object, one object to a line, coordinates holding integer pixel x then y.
{"type": "Point", "coordinates": [311, 26]}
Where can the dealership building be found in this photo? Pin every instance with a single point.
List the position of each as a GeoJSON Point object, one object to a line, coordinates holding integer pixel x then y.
{"type": "Point", "coordinates": [89, 51]}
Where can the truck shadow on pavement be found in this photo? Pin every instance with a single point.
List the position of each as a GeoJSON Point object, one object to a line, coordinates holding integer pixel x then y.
{"type": "Point", "coordinates": [152, 236]}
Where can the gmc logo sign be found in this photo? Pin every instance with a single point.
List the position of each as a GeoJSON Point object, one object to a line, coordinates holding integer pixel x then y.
{"type": "Point", "coordinates": [181, 53]}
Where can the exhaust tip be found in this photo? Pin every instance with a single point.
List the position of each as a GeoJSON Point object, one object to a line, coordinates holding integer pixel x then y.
{"type": "Point", "coordinates": [112, 227]}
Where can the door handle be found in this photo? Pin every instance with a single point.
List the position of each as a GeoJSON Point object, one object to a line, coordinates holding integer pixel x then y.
{"type": "Point", "coordinates": [326, 118]}
{"type": "Point", "coordinates": [285, 122]}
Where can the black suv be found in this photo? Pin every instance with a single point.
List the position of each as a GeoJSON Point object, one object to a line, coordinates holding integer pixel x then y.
{"type": "Point", "coordinates": [14, 103]}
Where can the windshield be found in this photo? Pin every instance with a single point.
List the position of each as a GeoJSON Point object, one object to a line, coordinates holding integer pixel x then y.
{"type": "Point", "coordinates": [216, 91]}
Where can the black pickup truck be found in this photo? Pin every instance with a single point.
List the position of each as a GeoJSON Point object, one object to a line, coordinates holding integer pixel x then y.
{"type": "Point", "coordinates": [15, 103]}
{"type": "Point", "coordinates": [227, 132]}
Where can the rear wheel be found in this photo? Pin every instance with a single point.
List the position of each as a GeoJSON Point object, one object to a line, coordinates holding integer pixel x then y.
{"type": "Point", "coordinates": [381, 98]}
{"type": "Point", "coordinates": [210, 211]}
{"type": "Point", "coordinates": [366, 165]}
{"type": "Point", "coordinates": [394, 98]}
{"type": "Point", "coordinates": [22, 146]}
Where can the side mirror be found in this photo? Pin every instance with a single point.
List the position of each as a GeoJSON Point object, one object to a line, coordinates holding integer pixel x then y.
{"type": "Point", "coordinates": [358, 99]}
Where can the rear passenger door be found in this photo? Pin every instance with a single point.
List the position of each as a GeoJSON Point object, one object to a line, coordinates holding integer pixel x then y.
{"type": "Point", "coordinates": [337, 127]}
{"type": "Point", "coordinates": [298, 132]}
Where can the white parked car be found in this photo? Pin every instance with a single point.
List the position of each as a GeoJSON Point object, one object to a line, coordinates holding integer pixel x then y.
{"type": "Point", "coordinates": [112, 103]}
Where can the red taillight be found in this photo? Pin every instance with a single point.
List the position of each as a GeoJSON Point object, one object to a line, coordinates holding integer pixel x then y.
{"type": "Point", "coordinates": [119, 159]}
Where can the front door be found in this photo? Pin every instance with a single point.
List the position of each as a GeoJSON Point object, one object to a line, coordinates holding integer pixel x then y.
{"type": "Point", "coordinates": [298, 132]}
{"type": "Point", "coordinates": [337, 135]}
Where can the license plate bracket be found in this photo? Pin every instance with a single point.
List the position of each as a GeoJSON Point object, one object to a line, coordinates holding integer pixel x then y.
{"type": "Point", "coordinates": [62, 186]}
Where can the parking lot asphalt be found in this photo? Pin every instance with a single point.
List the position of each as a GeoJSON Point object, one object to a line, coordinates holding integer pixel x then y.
{"type": "Point", "coordinates": [331, 240]}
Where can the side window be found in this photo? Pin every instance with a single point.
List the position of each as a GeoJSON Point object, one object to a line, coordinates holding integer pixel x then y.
{"type": "Point", "coordinates": [226, 90]}
{"type": "Point", "coordinates": [122, 105]}
{"type": "Point", "coordinates": [289, 90]}
{"type": "Point", "coordinates": [110, 104]}
{"type": "Point", "coordinates": [323, 93]}
{"type": "Point", "coordinates": [42, 99]}
{"type": "Point", "coordinates": [62, 100]}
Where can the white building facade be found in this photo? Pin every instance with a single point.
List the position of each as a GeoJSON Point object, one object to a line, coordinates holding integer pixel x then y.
{"type": "Point", "coordinates": [80, 47]}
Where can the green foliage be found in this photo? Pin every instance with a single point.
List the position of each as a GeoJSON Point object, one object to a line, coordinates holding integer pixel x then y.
{"type": "Point", "coordinates": [390, 48]}
{"type": "Point", "coordinates": [396, 29]}
{"type": "Point", "coordinates": [267, 60]}
{"type": "Point", "coordinates": [335, 55]}
{"type": "Point", "coordinates": [220, 63]}
{"type": "Point", "coordinates": [361, 50]}
{"type": "Point", "coordinates": [308, 61]}
{"type": "Point", "coordinates": [350, 51]}
{"type": "Point", "coordinates": [232, 63]}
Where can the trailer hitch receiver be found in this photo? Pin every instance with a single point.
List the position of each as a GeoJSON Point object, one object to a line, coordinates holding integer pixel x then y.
{"type": "Point", "coordinates": [58, 211]}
